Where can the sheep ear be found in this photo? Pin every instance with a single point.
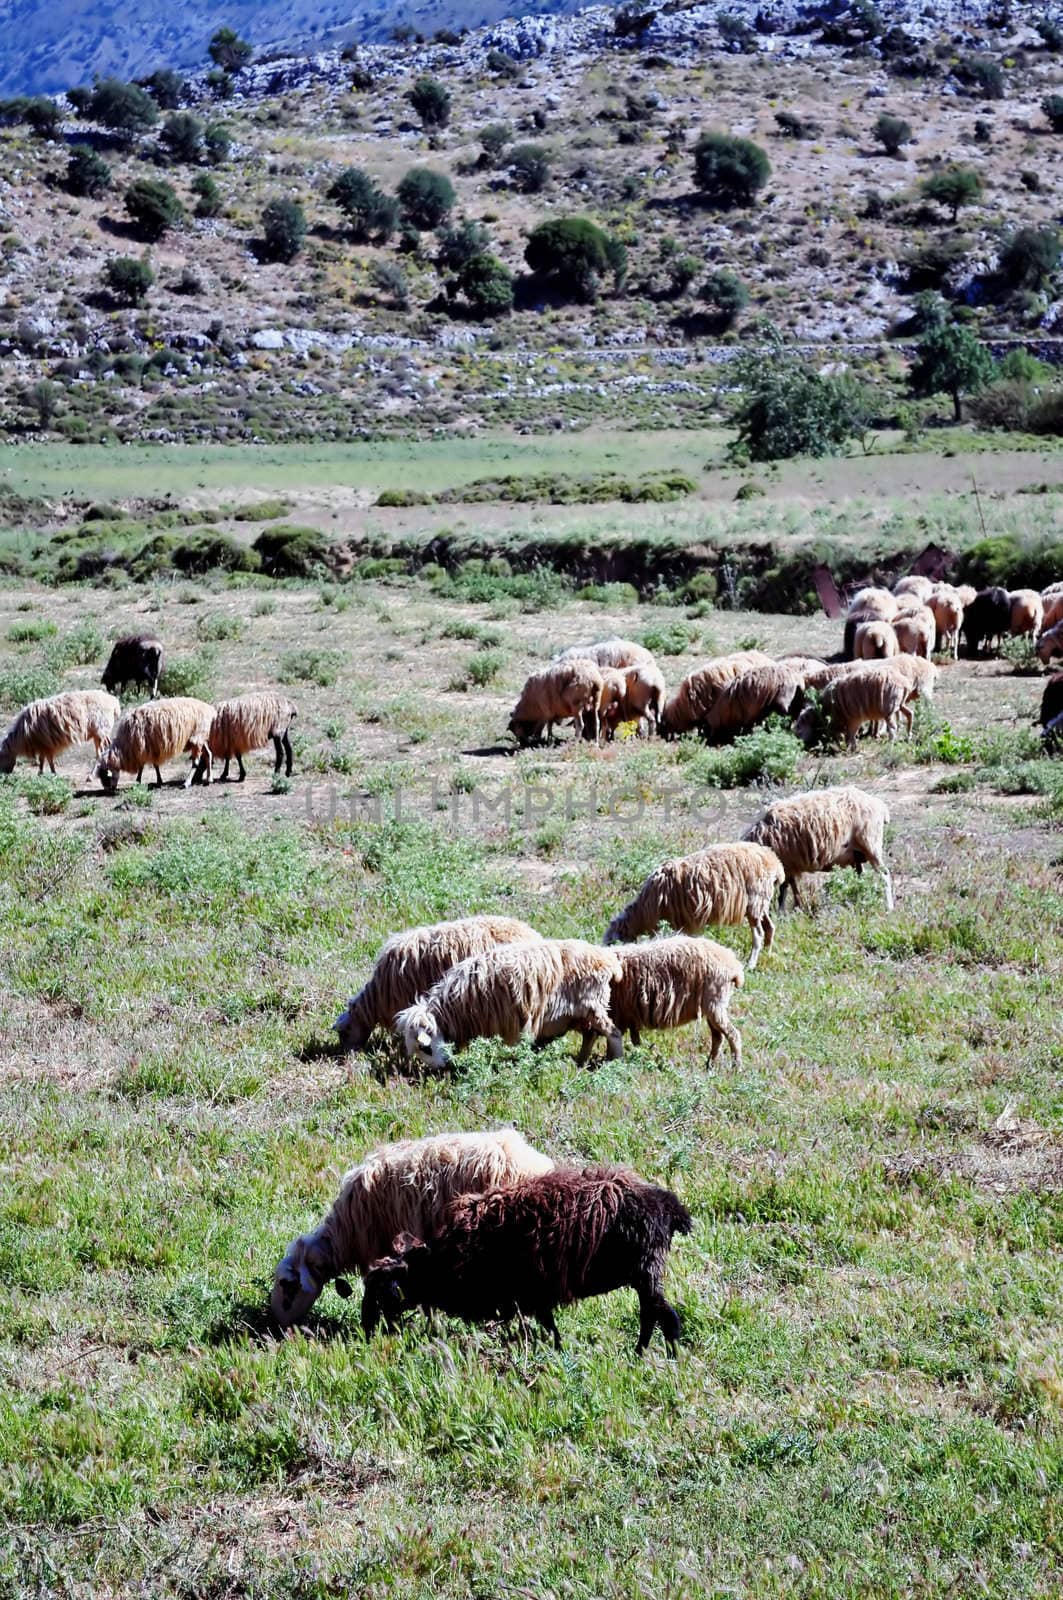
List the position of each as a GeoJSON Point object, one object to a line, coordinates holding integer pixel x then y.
{"type": "Point", "coordinates": [343, 1288]}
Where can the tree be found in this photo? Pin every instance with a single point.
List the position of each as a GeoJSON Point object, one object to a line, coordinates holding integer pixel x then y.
{"type": "Point", "coordinates": [789, 409]}
{"type": "Point", "coordinates": [431, 101]}
{"type": "Point", "coordinates": [128, 279]}
{"type": "Point", "coordinates": [87, 173]}
{"type": "Point", "coordinates": [954, 187]}
{"type": "Point", "coordinates": [228, 51]}
{"type": "Point", "coordinates": [182, 137]}
{"type": "Point", "coordinates": [370, 212]}
{"type": "Point", "coordinates": [123, 108]}
{"type": "Point", "coordinates": [1030, 258]}
{"type": "Point", "coordinates": [727, 294]}
{"type": "Point", "coordinates": [40, 114]}
{"type": "Point", "coordinates": [426, 198]}
{"type": "Point", "coordinates": [573, 252]}
{"type": "Point", "coordinates": [154, 207]}
{"type": "Point", "coordinates": [1052, 106]}
{"type": "Point", "coordinates": [208, 195]}
{"type": "Point", "coordinates": [892, 132]}
{"type": "Point", "coordinates": [42, 399]}
{"type": "Point", "coordinates": [487, 285]}
{"type": "Point", "coordinates": [462, 244]}
{"type": "Point", "coordinates": [389, 279]}
{"type": "Point", "coordinates": [950, 360]}
{"type": "Point", "coordinates": [529, 168]}
{"type": "Point", "coordinates": [729, 171]}
{"type": "Point", "coordinates": [283, 229]}
{"type": "Point", "coordinates": [217, 142]}
{"type": "Point", "coordinates": [166, 87]}
{"type": "Point", "coordinates": [494, 139]}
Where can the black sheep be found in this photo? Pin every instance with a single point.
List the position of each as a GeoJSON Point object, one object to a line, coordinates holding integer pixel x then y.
{"type": "Point", "coordinates": [548, 1242]}
{"type": "Point", "coordinates": [988, 617]}
{"type": "Point", "coordinates": [136, 658]}
{"type": "Point", "coordinates": [1052, 711]}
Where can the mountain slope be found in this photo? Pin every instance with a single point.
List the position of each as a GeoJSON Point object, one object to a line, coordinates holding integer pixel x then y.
{"type": "Point", "coordinates": [48, 47]}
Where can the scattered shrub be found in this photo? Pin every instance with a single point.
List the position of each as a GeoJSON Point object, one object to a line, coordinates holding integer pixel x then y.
{"type": "Point", "coordinates": [981, 75]}
{"type": "Point", "coordinates": [726, 294]}
{"type": "Point", "coordinates": [789, 409]}
{"type": "Point", "coordinates": [208, 195]}
{"type": "Point", "coordinates": [182, 138]}
{"type": "Point", "coordinates": [217, 143]}
{"type": "Point", "coordinates": [290, 551]}
{"type": "Point", "coordinates": [493, 140]}
{"type": "Point", "coordinates": [228, 51]}
{"type": "Point", "coordinates": [487, 286]}
{"type": "Point", "coordinates": [431, 101]}
{"type": "Point", "coordinates": [310, 666]}
{"type": "Point", "coordinates": [166, 87]}
{"type": "Point", "coordinates": [283, 229]}
{"type": "Point", "coordinates": [122, 107]}
{"type": "Point", "coordinates": [154, 207]}
{"type": "Point", "coordinates": [87, 173]}
{"type": "Point", "coordinates": [892, 133]}
{"type": "Point", "coordinates": [426, 197]}
{"type": "Point", "coordinates": [370, 213]}
{"type": "Point", "coordinates": [729, 171]}
{"type": "Point", "coordinates": [950, 360]}
{"type": "Point", "coordinates": [954, 187]}
{"type": "Point", "coordinates": [128, 279]}
{"type": "Point", "coordinates": [1030, 258]}
{"type": "Point", "coordinates": [389, 280]}
{"type": "Point", "coordinates": [529, 168]}
{"type": "Point", "coordinates": [46, 794]}
{"type": "Point", "coordinates": [573, 253]}
{"type": "Point", "coordinates": [191, 675]}
{"type": "Point", "coordinates": [459, 245]}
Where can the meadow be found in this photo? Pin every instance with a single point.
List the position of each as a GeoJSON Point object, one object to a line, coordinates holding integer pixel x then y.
{"type": "Point", "coordinates": [868, 1395]}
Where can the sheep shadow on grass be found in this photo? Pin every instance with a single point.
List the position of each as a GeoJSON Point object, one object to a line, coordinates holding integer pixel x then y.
{"type": "Point", "coordinates": [251, 1321]}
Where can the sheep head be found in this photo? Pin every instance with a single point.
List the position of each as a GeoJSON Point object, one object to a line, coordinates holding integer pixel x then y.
{"type": "Point", "coordinates": [7, 757]}
{"type": "Point", "coordinates": [421, 1037]}
{"type": "Point", "coordinates": [806, 727]}
{"type": "Point", "coordinates": [351, 1028]}
{"type": "Point", "coordinates": [299, 1279]}
{"type": "Point", "coordinates": [392, 1283]}
{"type": "Point", "coordinates": [108, 770]}
{"type": "Point", "coordinates": [522, 730]}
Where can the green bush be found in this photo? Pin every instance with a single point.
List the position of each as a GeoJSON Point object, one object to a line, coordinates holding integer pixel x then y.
{"type": "Point", "coordinates": [485, 666]}
{"type": "Point", "coordinates": [82, 646]}
{"type": "Point", "coordinates": [46, 794]}
{"type": "Point", "coordinates": [729, 171]}
{"type": "Point", "coordinates": [1052, 106]}
{"type": "Point", "coordinates": [529, 168]}
{"type": "Point", "coordinates": [166, 87]}
{"type": "Point", "coordinates": [493, 140]}
{"type": "Point", "coordinates": [1010, 562]}
{"type": "Point", "coordinates": [182, 138]}
{"type": "Point", "coordinates": [128, 279]}
{"type": "Point", "coordinates": [487, 286]}
{"type": "Point", "coordinates": [228, 51]}
{"type": "Point", "coordinates": [291, 551]}
{"type": "Point", "coordinates": [982, 75]}
{"type": "Point", "coordinates": [217, 626]}
{"type": "Point", "coordinates": [789, 409]}
{"type": "Point", "coordinates": [38, 112]}
{"type": "Point", "coordinates": [87, 174]}
{"type": "Point", "coordinates": [214, 552]}
{"type": "Point", "coordinates": [951, 360]}
{"type": "Point", "coordinates": [458, 245]}
{"type": "Point", "coordinates": [954, 187]}
{"type": "Point", "coordinates": [768, 755]}
{"type": "Point", "coordinates": [1030, 258]}
{"type": "Point", "coordinates": [122, 107]}
{"type": "Point", "coordinates": [431, 101]}
{"type": "Point", "coordinates": [208, 195]}
{"type": "Point", "coordinates": [426, 198]}
{"type": "Point", "coordinates": [32, 631]}
{"type": "Point", "coordinates": [153, 206]}
{"type": "Point", "coordinates": [726, 294]}
{"type": "Point", "coordinates": [389, 280]}
{"type": "Point", "coordinates": [311, 666]}
{"type": "Point", "coordinates": [283, 229]}
{"type": "Point", "coordinates": [191, 675]}
{"type": "Point", "coordinates": [674, 639]}
{"type": "Point", "coordinates": [891, 132]}
{"type": "Point", "coordinates": [19, 685]}
{"type": "Point", "coordinates": [370, 213]}
{"type": "Point", "coordinates": [217, 143]}
{"type": "Point", "coordinates": [574, 254]}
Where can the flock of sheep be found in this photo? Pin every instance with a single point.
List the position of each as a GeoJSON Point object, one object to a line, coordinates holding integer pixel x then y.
{"type": "Point", "coordinates": [480, 1225]}
{"type": "Point", "coordinates": [150, 734]}
{"type": "Point", "coordinates": [885, 667]}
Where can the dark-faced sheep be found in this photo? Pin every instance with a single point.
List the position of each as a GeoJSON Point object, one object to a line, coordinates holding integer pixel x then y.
{"type": "Point", "coordinates": [402, 1186]}
{"type": "Point", "coordinates": [412, 961]}
{"type": "Point", "coordinates": [568, 1236]}
{"type": "Point", "coordinates": [138, 659]}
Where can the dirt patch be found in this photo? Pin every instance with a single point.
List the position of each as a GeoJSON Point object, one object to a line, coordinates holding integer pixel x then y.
{"type": "Point", "coordinates": [1015, 1156]}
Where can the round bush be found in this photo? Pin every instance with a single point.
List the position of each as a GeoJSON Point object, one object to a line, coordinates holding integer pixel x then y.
{"type": "Point", "coordinates": [729, 171]}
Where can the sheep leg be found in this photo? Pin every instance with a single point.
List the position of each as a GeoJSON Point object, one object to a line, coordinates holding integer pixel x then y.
{"type": "Point", "coordinates": [158, 776]}
{"type": "Point", "coordinates": [545, 1318]}
{"type": "Point", "coordinates": [655, 1312]}
{"type": "Point", "coordinates": [636, 1036]}
{"type": "Point", "coordinates": [906, 713]}
{"type": "Point", "coordinates": [240, 767]}
{"type": "Point", "coordinates": [589, 1038]}
{"type": "Point", "coordinates": [887, 882]}
{"type": "Point", "coordinates": [769, 930]}
{"type": "Point", "coordinates": [758, 942]}
{"type": "Point", "coordinates": [140, 773]}
{"type": "Point", "coordinates": [287, 743]}
{"type": "Point", "coordinates": [723, 1028]}
{"type": "Point", "coordinates": [278, 750]}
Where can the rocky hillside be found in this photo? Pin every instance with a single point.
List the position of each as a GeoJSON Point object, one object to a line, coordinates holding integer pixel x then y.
{"type": "Point", "coordinates": [370, 326]}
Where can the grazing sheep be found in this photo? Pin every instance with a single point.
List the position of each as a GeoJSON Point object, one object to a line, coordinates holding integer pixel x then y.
{"type": "Point", "coordinates": [874, 641]}
{"type": "Point", "coordinates": [609, 653]}
{"type": "Point", "coordinates": [967, 592]}
{"type": "Point", "coordinates": [1053, 733]}
{"type": "Point", "coordinates": [947, 609]}
{"type": "Point", "coordinates": [916, 632]}
{"type": "Point", "coordinates": [986, 619]}
{"type": "Point", "coordinates": [558, 693]}
{"type": "Point", "coordinates": [1051, 700]}
{"type": "Point", "coordinates": [748, 699]}
{"type": "Point", "coordinates": [1050, 643]}
{"type": "Point", "coordinates": [154, 733]}
{"type": "Point", "coordinates": [543, 990]}
{"type": "Point", "coordinates": [796, 661]}
{"type": "Point", "coordinates": [567, 1236]}
{"type": "Point", "coordinates": [720, 887]}
{"type": "Point", "coordinates": [249, 723]}
{"type": "Point", "coordinates": [607, 712]}
{"type": "Point", "coordinates": [45, 728]}
{"type": "Point", "coordinates": [138, 659]}
{"type": "Point", "coordinates": [873, 602]}
{"type": "Point", "coordinates": [411, 962]}
{"type": "Point", "coordinates": [819, 677]}
{"type": "Point", "coordinates": [872, 696]}
{"type": "Point", "coordinates": [1052, 600]}
{"type": "Point", "coordinates": [693, 700]}
{"type": "Point", "coordinates": [643, 696]}
{"type": "Point", "coordinates": [823, 829]}
{"type": "Point", "coordinates": [920, 675]}
{"type": "Point", "coordinates": [915, 584]}
{"type": "Point", "coordinates": [668, 983]}
{"type": "Point", "coordinates": [1027, 612]}
{"type": "Point", "coordinates": [407, 1185]}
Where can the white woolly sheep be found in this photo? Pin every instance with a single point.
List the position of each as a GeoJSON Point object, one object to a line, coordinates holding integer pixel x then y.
{"type": "Point", "coordinates": [946, 608]}
{"type": "Point", "coordinates": [921, 677]}
{"type": "Point", "coordinates": [1027, 612]}
{"type": "Point", "coordinates": [558, 693]}
{"type": "Point", "coordinates": [823, 829]}
{"type": "Point", "coordinates": [751, 697]}
{"type": "Point", "coordinates": [1050, 643]}
{"type": "Point", "coordinates": [540, 990]}
{"type": "Point", "coordinates": [693, 700]}
{"type": "Point", "coordinates": [876, 694]}
{"type": "Point", "coordinates": [916, 632]}
{"type": "Point", "coordinates": [154, 733]}
{"type": "Point", "coordinates": [402, 1187]}
{"type": "Point", "coordinates": [668, 983]}
{"type": "Point", "coordinates": [719, 887]}
{"type": "Point", "coordinates": [45, 728]}
{"type": "Point", "coordinates": [412, 961]}
{"type": "Point", "coordinates": [639, 699]}
{"type": "Point", "coordinates": [873, 602]}
{"type": "Point", "coordinates": [609, 653]}
{"type": "Point", "coordinates": [915, 584]}
{"type": "Point", "coordinates": [250, 722]}
{"type": "Point", "coordinates": [966, 592]}
{"type": "Point", "coordinates": [796, 661]}
{"type": "Point", "coordinates": [875, 641]}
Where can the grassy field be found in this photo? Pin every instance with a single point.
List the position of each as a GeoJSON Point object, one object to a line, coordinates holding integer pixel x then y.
{"type": "Point", "coordinates": [868, 1395]}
